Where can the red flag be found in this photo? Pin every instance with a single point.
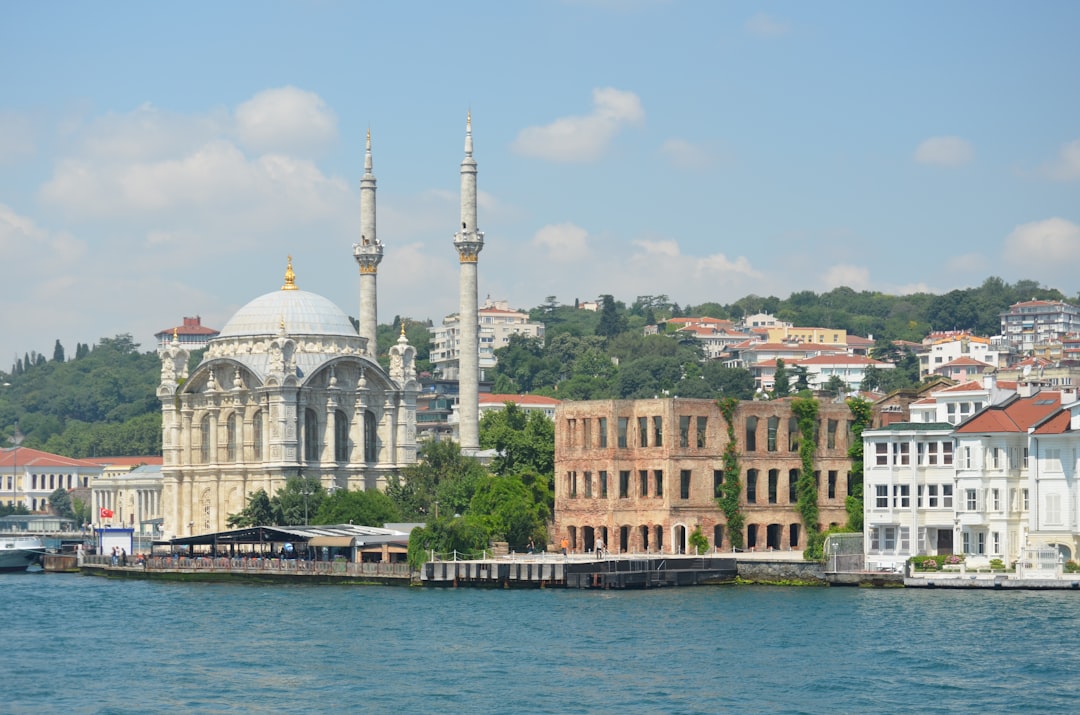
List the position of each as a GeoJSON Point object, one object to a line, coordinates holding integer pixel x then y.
{"type": "Point", "coordinates": [106, 513]}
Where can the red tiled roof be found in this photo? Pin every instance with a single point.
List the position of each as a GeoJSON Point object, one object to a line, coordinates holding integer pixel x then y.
{"type": "Point", "coordinates": [1014, 415]}
{"type": "Point", "coordinates": [127, 461]}
{"type": "Point", "coordinates": [1057, 424]}
{"type": "Point", "coordinates": [969, 386]}
{"type": "Point", "coordinates": [964, 362]}
{"type": "Point", "coordinates": [487, 398]}
{"type": "Point", "coordinates": [26, 456]}
{"type": "Point", "coordinates": [842, 360]}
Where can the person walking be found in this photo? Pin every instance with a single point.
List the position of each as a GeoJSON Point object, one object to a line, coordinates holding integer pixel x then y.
{"type": "Point", "coordinates": [599, 547]}
{"type": "Point", "coordinates": [565, 545]}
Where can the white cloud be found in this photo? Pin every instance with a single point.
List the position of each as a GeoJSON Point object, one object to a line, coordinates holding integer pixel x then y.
{"type": "Point", "coordinates": [765, 25]}
{"type": "Point", "coordinates": [682, 154]}
{"type": "Point", "coordinates": [944, 151]}
{"type": "Point", "coordinates": [665, 256]}
{"type": "Point", "coordinates": [1067, 165]}
{"type": "Point", "coordinates": [854, 277]}
{"type": "Point", "coordinates": [16, 136]}
{"type": "Point", "coordinates": [286, 119]}
{"type": "Point", "coordinates": [970, 263]}
{"type": "Point", "coordinates": [148, 133]}
{"type": "Point", "coordinates": [564, 242]}
{"type": "Point", "coordinates": [582, 138]}
{"type": "Point", "coordinates": [1051, 243]}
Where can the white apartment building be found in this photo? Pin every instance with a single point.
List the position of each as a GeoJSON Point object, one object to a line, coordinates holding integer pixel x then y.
{"type": "Point", "coordinates": [1032, 322]}
{"type": "Point", "coordinates": [497, 323]}
{"type": "Point", "coordinates": [951, 347]}
{"type": "Point", "coordinates": [908, 493]}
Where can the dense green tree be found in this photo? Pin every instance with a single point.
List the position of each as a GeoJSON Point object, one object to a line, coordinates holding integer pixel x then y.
{"type": "Point", "coordinates": [442, 474]}
{"type": "Point", "coordinates": [449, 537]}
{"type": "Point", "coordinates": [258, 511]}
{"type": "Point", "coordinates": [298, 500]}
{"type": "Point", "coordinates": [366, 508]}
{"type": "Point", "coordinates": [60, 504]}
{"type": "Point", "coordinates": [781, 384]}
{"type": "Point", "coordinates": [612, 317]}
{"type": "Point", "coordinates": [58, 352]}
{"type": "Point", "coordinates": [506, 507]}
{"type": "Point", "coordinates": [523, 440]}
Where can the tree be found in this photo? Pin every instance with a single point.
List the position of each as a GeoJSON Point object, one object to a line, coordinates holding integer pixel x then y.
{"type": "Point", "coordinates": [58, 352]}
{"type": "Point", "coordinates": [698, 543]}
{"type": "Point", "coordinates": [442, 478]}
{"type": "Point", "coordinates": [367, 508]}
{"type": "Point", "coordinates": [506, 507]}
{"type": "Point", "coordinates": [60, 504]}
{"type": "Point", "coordinates": [258, 512]}
{"type": "Point", "coordinates": [523, 440]}
{"type": "Point", "coordinates": [298, 500]}
{"type": "Point", "coordinates": [612, 320]}
{"type": "Point", "coordinates": [781, 385]}
{"type": "Point", "coordinates": [836, 385]}
{"type": "Point", "coordinates": [448, 537]}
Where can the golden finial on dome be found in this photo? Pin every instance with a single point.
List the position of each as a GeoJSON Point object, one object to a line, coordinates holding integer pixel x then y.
{"type": "Point", "coordinates": [175, 334]}
{"type": "Point", "coordinates": [290, 278]}
{"type": "Point", "coordinates": [403, 327]}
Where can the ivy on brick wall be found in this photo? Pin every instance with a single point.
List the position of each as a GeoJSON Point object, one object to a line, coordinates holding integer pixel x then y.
{"type": "Point", "coordinates": [731, 489]}
{"type": "Point", "coordinates": [805, 410]}
{"type": "Point", "coordinates": [861, 414]}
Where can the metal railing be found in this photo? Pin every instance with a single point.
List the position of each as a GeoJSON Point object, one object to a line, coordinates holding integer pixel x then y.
{"type": "Point", "coordinates": [259, 565]}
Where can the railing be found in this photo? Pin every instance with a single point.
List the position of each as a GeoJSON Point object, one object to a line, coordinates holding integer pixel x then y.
{"type": "Point", "coordinates": [259, 565]}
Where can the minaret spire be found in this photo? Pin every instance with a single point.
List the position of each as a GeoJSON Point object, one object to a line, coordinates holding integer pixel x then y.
{"type": "Point", "coordinates": [368, 253]}
{"type": "Point", "coordinates": [468, 242]}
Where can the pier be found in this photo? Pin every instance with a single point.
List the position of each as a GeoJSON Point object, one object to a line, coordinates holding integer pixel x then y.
{"type": "Point", "coordinates": [608, 572]}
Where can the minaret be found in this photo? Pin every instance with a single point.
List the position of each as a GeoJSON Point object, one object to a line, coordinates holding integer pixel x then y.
{"type": "Point", "coordinates": [468, 242]}
{"type": "Point", "coordinates": [368, 254]}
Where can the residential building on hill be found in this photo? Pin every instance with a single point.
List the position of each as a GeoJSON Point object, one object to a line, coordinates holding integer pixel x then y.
{"type": "Point", "coordinates": [949, 347]}
{"type": "Point", "coordinates": [497, 323]}
{"type": "Point", "coordinates": [1029, 323]}
{"type": "Point", "coordinates": [493, 402]}
{"type": "Point", "coordinates": [192, 334]}
{"type": "Point", "coordinates": [644, 474]}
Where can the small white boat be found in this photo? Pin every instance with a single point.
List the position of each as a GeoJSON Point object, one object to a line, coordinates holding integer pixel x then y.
{"type": "Point", "coordinates": [18, 552]}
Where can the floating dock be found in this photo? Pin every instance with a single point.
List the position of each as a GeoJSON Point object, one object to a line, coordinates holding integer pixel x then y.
{"type": "Point", "coordinates": [605, 573]}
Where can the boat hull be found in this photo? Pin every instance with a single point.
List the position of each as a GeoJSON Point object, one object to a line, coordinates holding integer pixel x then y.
{"type": "Point", "coordinates": [16, 554]}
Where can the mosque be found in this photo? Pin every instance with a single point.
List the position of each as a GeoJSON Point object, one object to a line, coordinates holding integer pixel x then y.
{"type": "Point", "coordinates": [289, 388]}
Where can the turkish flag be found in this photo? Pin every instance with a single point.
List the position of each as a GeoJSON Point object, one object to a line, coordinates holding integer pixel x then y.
{"type": "Point", "coordinates": [106, 513]}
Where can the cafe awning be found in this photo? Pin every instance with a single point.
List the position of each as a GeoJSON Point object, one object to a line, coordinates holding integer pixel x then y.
{"type": "Point", "coordinates": [317, 541]}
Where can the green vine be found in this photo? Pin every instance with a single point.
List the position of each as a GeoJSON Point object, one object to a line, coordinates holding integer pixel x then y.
{"type": "Point", "coordinates": [862, 413]}
{"type": "Point", "coordinates": [806, 411]}
{"type": "Point", "coordinates": [731, 490]}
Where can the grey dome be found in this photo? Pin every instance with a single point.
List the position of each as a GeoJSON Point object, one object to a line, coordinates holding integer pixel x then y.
{"type": "Point", "coordinates": [302, 313]}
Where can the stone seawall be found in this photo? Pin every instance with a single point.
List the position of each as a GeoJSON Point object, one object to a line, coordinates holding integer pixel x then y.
{"type": "Point", "coordinates": [781, 571]}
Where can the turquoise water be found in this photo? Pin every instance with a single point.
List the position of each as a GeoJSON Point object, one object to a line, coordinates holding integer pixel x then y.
{"type": "Point", "coordinates": [78, 644]}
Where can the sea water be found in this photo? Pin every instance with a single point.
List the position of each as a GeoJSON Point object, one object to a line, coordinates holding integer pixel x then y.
{"type": "Point", "coordinates": [79, 644]}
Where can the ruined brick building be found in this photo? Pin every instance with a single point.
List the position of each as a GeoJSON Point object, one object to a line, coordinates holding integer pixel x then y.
{"type": "Point", "coordinates": [643, 474]}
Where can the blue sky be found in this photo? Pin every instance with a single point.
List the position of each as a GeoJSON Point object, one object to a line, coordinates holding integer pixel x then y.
{"type": "Point", "coordinates": [159, 160]}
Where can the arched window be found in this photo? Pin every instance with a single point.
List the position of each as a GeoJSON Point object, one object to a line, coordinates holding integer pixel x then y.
{"type": "Point", "coordinates": [341, 437]}
{"type": "Point", "coordinates": [204, 434]}
{"type": "Point", "coordinates": [257, 436]}
{"type": "Point", "coordinates": [311, 435]}
{"type": "Point", "coordinates": [371, 448]}
{"type": "Point", "coordinates": [230, 437]}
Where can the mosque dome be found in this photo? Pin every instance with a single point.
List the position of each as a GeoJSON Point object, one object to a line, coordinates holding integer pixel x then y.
{"type": "Point", "coordinates": [300, 312]}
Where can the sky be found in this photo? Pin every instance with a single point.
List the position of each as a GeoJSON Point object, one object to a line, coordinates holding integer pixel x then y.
{"type": "Point", "coordinates": [162, 160]}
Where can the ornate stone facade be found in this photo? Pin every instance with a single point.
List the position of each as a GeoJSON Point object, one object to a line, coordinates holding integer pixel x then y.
{"type": "Point", "coordinates": [287, 389]}
{"type": "Point", "coordinates": [643, 474]}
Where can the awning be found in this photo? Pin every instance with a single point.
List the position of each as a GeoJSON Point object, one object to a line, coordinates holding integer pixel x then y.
{"type": "Point", "coordinates": [332, 541]}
